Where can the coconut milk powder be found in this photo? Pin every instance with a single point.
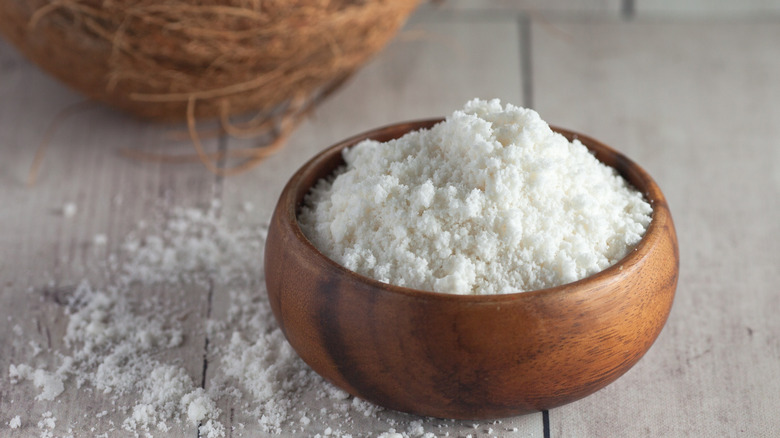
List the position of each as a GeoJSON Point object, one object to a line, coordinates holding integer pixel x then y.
{"type": "Point", "coordinates": [489, 201]}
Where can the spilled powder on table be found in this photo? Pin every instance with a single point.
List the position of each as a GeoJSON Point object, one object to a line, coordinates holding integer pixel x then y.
{"type": "Point", "coordinates": [123, 348]}
{"type": "Point", "coordinates": [47, 424]}
{"type": "Point", "coordinates": [15, 423]}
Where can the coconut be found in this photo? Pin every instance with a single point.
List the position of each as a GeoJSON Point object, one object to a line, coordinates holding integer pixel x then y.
{"type": "Point", "coordinates": [174, 60]}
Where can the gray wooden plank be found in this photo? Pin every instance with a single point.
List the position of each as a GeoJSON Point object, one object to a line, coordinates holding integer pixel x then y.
{"type": "Point", "coordinates": [611, 8]}
{"type": "Point", "coordinates": [437, 63]}
{"type": "Point", "coordinates": [458, 57]}
{"type": "Point", "coordinates": [44, 253]}
{"type": "Point", "coordinates": [696, 105]}
{"type": "Point", "coordinates": [707, 8]}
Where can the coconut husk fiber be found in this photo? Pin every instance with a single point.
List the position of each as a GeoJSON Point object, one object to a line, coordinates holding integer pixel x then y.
{"type": "Point", "coordinates": [176, 60]}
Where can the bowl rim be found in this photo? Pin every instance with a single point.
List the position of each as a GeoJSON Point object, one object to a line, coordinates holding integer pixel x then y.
{"type": "Point", "coordinates": [660, 217]}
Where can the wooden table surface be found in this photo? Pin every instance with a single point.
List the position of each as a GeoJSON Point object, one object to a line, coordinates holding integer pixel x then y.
{"type": "Point", "coordinates": [691, 95]}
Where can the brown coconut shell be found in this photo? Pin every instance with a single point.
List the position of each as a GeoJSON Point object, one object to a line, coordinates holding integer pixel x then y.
{"type": "Point", "coordinates": [159, 59]}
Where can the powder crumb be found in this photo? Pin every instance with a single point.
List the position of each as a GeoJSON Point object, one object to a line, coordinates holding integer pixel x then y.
{"type": "Point", "coordinates": [15, 422]}
{"type": "Point", "coordinates": [51, 385]}
{"type": "Point", "coordinates": [335, 393]}
{"type": "Point", "coordinates": [199, 406]}
{"type": "Point", "coordinates": [416, 428]}
{"type": "Point", "coordinates": [100, 239]}
{"type": "Point", "coordinates": [368, 409]}
{"type": "Point", "coordinates": [211, 429]}
{"type": "Point", "coordinates": [35, 348]}
{"type": "Point", "coordinates": [69, 209]}
{"type": "Point", "coordinates": [47, 424]}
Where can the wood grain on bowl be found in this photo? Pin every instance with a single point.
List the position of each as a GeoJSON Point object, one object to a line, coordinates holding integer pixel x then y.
{"type": "Point", "coordinates": [468, 357]}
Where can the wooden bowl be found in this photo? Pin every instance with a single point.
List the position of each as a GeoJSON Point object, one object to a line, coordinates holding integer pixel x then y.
{"type": "Point", "coordinates": [465, 356]}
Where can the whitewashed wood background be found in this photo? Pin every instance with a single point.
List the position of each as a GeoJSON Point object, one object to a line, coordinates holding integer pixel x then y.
{"type": "Point", "coordinates": [690, 90]}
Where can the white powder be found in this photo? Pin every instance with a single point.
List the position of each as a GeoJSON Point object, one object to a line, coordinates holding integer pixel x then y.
{"type": "Point", "coordinates": [100, 239]}
{"type": "Point", "coordinates": [124, 354]}
{"type": "Point", "coordinates": [69, 209]}
{"type": "Point", "coordinates": [15, 422]}
{"type": "Point", "coordinates": [489, 201]}
{"type": "Point", "coordinates": [114, 341]}
{"type": "Point", "coordinates": [51, 385]}
{"type": "Point", "coordinates": [47, 424]}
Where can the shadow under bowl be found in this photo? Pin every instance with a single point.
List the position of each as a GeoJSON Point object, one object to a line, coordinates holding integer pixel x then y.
{"type": "Point", "coordinates": [468, 356]}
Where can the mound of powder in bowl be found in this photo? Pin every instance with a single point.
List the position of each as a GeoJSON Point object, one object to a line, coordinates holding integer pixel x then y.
{"type": "Point", "coordinates": [489, 201]}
